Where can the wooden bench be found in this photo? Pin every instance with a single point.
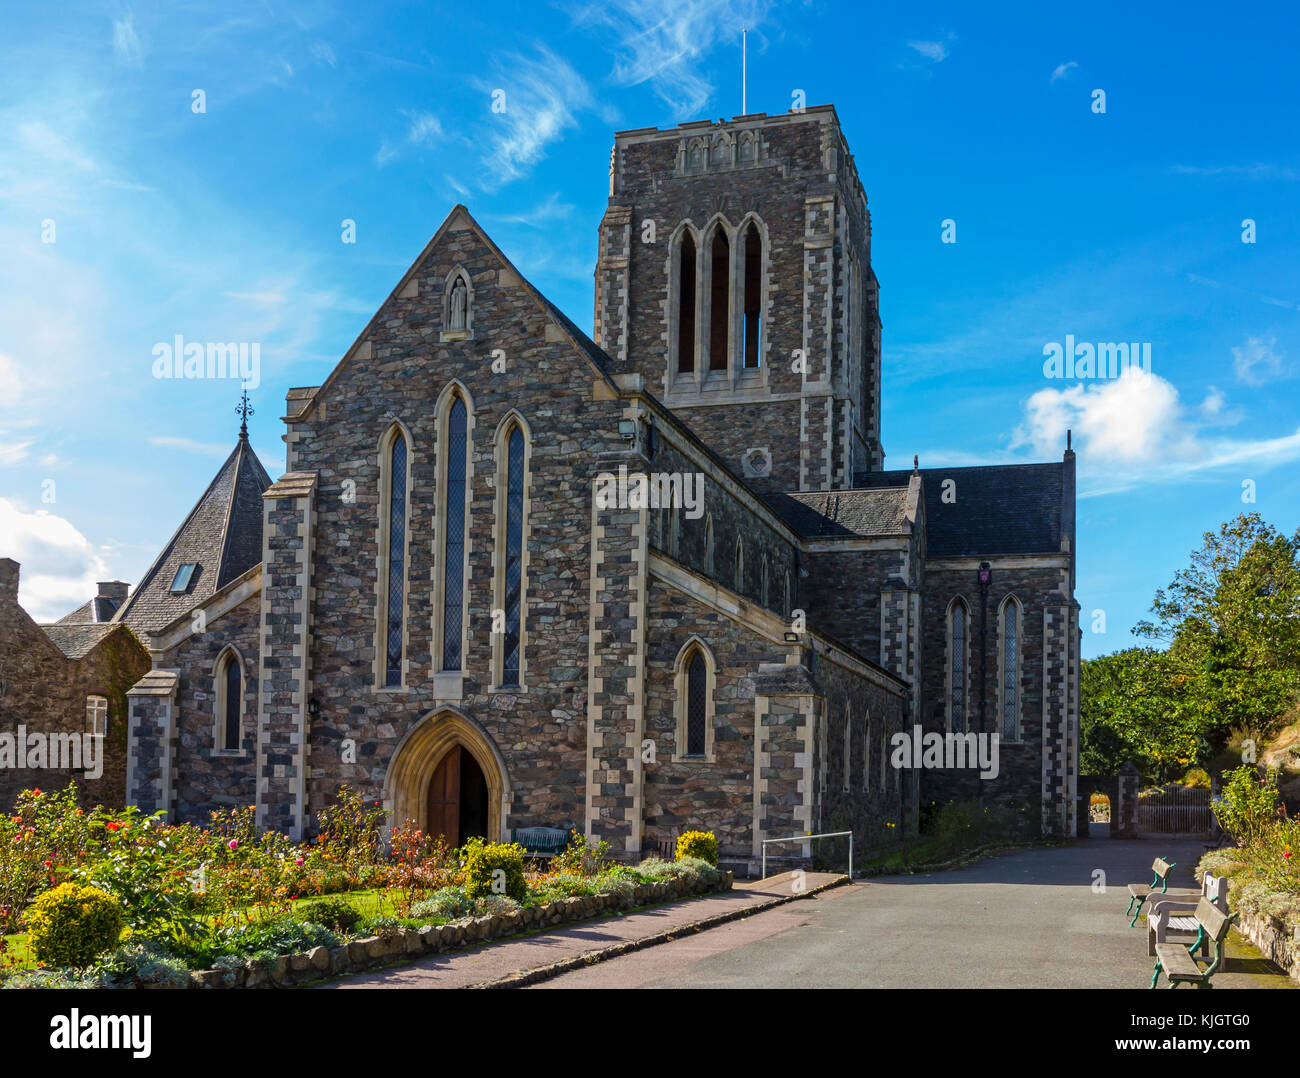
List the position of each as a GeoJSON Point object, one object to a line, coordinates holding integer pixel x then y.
{"type": "Point", "coordinates": [1177, 913]}
{"type": "Point", "coordinates": [1138, 892]}
{"type": "Point", "coordinates": [1178, 960]}
{"type": "Point", "coordinates": [541, 841]}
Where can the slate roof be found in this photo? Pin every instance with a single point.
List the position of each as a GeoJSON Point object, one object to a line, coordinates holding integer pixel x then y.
{"type": "Point", "coordinates": [98, 610]}
{"type": "Point", "coordinates": [999, 509]}
{"type": "Point", "coordinates": [822, 514]}
{"type": "Point", "coordinates": [77, 641]}
{"type": "Point", "coordinates": [222, 535]}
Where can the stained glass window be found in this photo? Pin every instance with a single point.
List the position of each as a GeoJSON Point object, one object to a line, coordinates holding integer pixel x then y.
{"type": "Point", "coordinates": [514, 555]}
{"type": "Point", "coordinates": [396, 562]}
{"type": "Point", "coordinates": [453, 572]}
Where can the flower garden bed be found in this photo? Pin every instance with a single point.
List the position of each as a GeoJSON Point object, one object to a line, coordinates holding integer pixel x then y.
{"type": "Point", "coordinates": [118, 899]}
{"type": "Point", "coordinates": [398, 943]}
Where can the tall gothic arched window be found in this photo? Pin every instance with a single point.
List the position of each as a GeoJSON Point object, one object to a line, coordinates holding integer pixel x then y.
{"type": "Point", "coordinates": [453, 505]}
{"type": "Point", "coordinates": [708, 545]}
{"type": "Point", "coordinates": [958, 617]}
{"type": "Point", "coordinates": [228, 701]}
{"type": "Point", "coordinates": [719, 300]}
{"type": "Point", "coordinates": [740, 566]}
{"type": "Point", "coordinates": [686, 304]}
{"type": "Point", "coordinates": [694, 680]}
{"type": "Point", "coordinates": [234, 701]}
{"type": "Point", "coordinates": [753, 297]}
{"type": "Point", "coordinates": [1010, 662]}
{"type": "Point", "coordinates": [394, 557]}
{"type": "Point", "coordinates": [512, 590]}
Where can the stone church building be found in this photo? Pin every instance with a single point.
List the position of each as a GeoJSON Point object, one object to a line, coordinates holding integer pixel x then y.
{"type": "Point", "coordinates": [435, 604]}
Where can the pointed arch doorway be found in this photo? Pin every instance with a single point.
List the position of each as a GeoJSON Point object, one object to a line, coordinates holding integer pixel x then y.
{"type": "Point", "coordinates": [448, 776]}
{"type": "Point", "coordinates": [457, 804]}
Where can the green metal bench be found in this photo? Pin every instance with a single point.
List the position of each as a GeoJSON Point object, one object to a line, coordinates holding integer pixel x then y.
{"type": "Point", "coordinates": [1139, 892]}
{"type": "Point", "coordinates": [541, 841]}
{"type": "Point", "coordinates": [1178, 961]}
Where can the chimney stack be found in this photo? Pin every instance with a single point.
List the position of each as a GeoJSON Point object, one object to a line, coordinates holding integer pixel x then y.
{"type": "Point", "coordinates": [114, 589]}
{"type": "Point", "coordinates": [8, 580]}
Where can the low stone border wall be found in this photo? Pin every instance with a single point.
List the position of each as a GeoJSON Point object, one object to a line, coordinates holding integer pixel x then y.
{"type": "Point", "coordinates": [372, 951]}
{"type": "Point", "coordinates": [1272, 937]}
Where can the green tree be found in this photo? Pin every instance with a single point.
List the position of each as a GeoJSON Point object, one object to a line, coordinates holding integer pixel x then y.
{"type": "Point", "coordinates": [1232, 624]}
{"type": "Point", "coordinates": [1129, 710]}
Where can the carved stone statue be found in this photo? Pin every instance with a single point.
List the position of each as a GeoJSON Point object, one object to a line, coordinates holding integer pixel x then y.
{"type": "Point", "coordinates": [459, 301]}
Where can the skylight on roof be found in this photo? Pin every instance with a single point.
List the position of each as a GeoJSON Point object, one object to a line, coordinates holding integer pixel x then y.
{"type": "Point", "coordinates": [184, 574]}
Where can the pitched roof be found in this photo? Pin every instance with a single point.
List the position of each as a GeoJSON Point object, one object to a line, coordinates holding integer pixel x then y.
{"type": "Point", "coordinates": [828, 514]}
{"type": "Point", "coordinates": [98, 610]}
{"type": "Point", "coordinates": [998, 509]}
{"type": "Point", "coordinates": [77, 641]}
{"type": "Point", "coordinates": [222, 537]}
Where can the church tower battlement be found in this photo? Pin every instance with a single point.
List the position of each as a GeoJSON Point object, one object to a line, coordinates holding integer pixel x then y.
{"type": "Point", "coordinates": [734, 275]}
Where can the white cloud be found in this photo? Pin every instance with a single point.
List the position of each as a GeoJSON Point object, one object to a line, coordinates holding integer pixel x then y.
{"type": "Point", "coordinates": [1256, 361]}
{"type": "Point", "coordinates": [1062, 70]}
{"type": "Point", "coordinates": [542, 93]}
{"type": "Point", "coordinates": [59, 565]}
{"type": "Point", "coordinates": [1135, 429]}
{"type": "Point", "coordinates": [322, 52]}
{"type": "Point", "coordinates": [937, 51]}
{"type": "Point", "coordinates": [663, 43]}
{"type": "Point", "coordinates": [423, 129]}
{"type": "Point", "coordinates": [126, 43]}
{"type": "Point", "coordinates": [1258, 171]}
{"type": "Point", "coordinates": [1212, 406]}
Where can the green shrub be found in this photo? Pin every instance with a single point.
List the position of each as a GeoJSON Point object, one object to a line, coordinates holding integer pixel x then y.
{"type": "Point", "coordinates": [658, 869]}
{"type": "Point", "coordinates": [73, 925]}
{"type": "Point", "coordinates": [492, 904]}
{"type": "Point", "coordinates": [1247, 807]}
{"type": "Point", "coordinates": [699, 870]}
{"type": "Point", "coordinates": [701, 844]}
{"type": "Point", "coordinates": [144, 963]}
{"type": "Point", "coordinates": [565, 886]}
{"type": "Point", "coordinates": [334, 912]}
{"type": "Point", "coordinates": [449, 902]}
{"type": "Point", "coordinates": [581, 857]}
{"type": "Point", "coordinates": [268, 939]}
{"type": "Point", "coordinates": [1197, 777]}
{"type": "Point", "coordinates": [494, 868]}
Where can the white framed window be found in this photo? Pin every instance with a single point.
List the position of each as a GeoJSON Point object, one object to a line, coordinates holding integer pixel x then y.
{"type": "Point", "coordinates": [97, 715]}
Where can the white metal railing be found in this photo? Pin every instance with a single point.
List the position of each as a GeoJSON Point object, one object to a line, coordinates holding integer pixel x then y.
{"type": "Point", "coordinates": [809, 838]}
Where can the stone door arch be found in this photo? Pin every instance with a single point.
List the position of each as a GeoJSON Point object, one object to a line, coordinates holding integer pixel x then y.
{"type": "Point", "coordinates": [416, 759]}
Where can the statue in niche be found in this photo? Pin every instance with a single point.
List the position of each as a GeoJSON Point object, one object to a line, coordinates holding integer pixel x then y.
{"type": "Point", "coordinates": [459, 304]}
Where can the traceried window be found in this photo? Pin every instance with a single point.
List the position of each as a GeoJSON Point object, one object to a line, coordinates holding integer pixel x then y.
{"type": "Point", "coordinates": [957, 628]}
{"type": "Point", "coordinates": [96, 715]}
{"type": "Point", "coordinates": [1010, 670]}
{"type": "Point", "coordinates": [686, 284]}
{"type": "Point", "coordinates": [453, 564]}
{"type": "Point", "coordinates": [514, 552]}
{"type": "Point", "coordinates": [753, 297]}
{"type": "Point", "coordinates": [395, 585]}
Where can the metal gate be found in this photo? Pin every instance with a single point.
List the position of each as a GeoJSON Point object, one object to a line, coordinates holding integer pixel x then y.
{"type": "Point", "coordinates": [1175, 810]}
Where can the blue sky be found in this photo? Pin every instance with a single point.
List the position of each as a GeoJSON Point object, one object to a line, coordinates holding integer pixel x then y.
{"type": "Point", "coordinates": [226, 225]}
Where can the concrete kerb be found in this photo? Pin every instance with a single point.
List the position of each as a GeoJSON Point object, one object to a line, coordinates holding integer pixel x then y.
{"type": "Point", "coordinates": [524, 978]}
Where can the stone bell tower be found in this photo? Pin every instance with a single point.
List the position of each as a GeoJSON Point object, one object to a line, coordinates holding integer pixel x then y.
{"type": "Point", "coordinates": [734, 274]}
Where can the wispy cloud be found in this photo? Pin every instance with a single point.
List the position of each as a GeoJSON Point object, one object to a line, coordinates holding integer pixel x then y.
{"type": "Point", "coordinates": [1256, 171]}
{"type": "Point", "coordinates": [1062, 70]}
{"type": "Point", "coordinates": [549, 209]}
{"type": "Point", "coordinates": [126, 42]}
{"type": "Point", "coordinates": [539, 96]}
{"type": "Point", "coordinates": [934, 51]}
{"type": "Point", "coordinates": [322, 52]}
{"type": "Point", "coordinates": [664, 42]}
{"type": "Point", "coordinates": [1256, 361]}
{"type": "Point", "coordinates": [189, 445]}
{"type": "Point", "coordinates": [423, 129]}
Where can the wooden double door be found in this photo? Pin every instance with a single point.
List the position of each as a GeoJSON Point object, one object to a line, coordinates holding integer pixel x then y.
{"type": "Point", "coordinates": [458, 798]}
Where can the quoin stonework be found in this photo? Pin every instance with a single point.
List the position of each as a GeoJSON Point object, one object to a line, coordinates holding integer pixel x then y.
{"type": "Point", "coordinates": [431, 605]}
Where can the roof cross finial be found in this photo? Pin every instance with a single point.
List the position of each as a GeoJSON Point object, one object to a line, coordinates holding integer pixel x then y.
{"type": "Point", "coordinates": [243, 409]}
{"type": "Point", "coordinates": [916, 462]}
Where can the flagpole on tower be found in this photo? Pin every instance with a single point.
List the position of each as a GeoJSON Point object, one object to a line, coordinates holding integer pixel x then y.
{"type": "Point", "coordinates": [744, 71]}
